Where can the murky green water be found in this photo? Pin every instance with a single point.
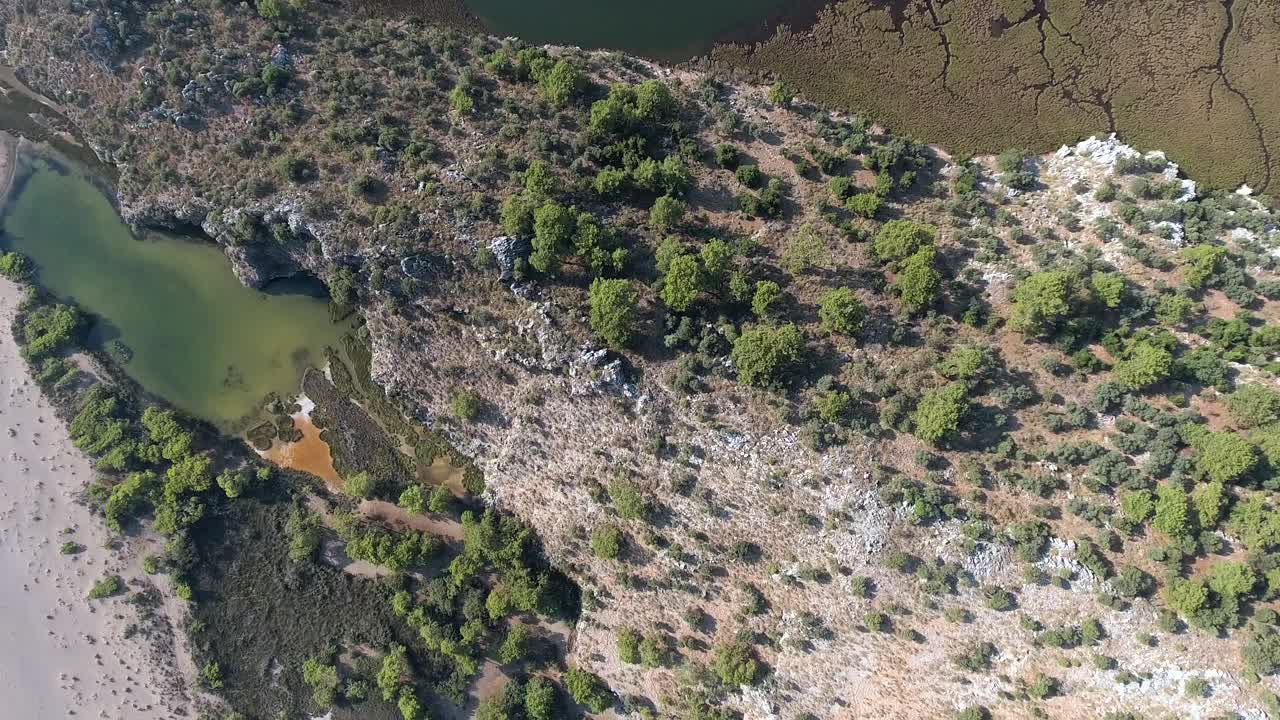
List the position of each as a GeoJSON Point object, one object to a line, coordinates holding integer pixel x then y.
{"type": "Point", "coordinates": [199, 338]}
{"type": "Point", "coordinates": [661, 29]}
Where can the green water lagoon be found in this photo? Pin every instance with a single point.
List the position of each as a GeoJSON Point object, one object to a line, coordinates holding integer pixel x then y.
{"type": "Point", "coordinates": [660, 29]}
{"type": "Point", "coordinates": [198, 338]}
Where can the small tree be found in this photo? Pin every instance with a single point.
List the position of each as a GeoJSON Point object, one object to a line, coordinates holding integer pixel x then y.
{"type": "Point", "coordinates": [666, 213]}
{"type": "Point", "coordinates": [1224, 456]}
{"type": "Point", "coordinates": [899, 239]}
{"type": "Point", "coordinates": [940, 411]}
{"type": "Point", "coordinates": [613, 310]}
{"type": "Point", "coordinates": [681, 283]}
{"type": "Point", "coordinates": [763, 354]}
{"type": "Point", "coordinates": [766, 296]}
{"type": "Point", "coordinates": [1041, 301]}
{"type": "Point", "coordinates": [1145, 366]}
{"type": "Point", "coordinates": [840, 311]}
{"type": "Point", "coordinates": [918, 281]}
{"type": "Point", "coordinates": [563, 83]}
{"type": "Point", "coordinates": [588, 690]}
{"type": "Point", "coordinates": [735, 664]}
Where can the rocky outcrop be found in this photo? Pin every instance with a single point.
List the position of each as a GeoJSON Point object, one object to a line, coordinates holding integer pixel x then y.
{"type": "Point", "coordinates": [263, 243]}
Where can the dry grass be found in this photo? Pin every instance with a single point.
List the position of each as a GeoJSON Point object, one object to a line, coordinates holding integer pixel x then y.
{"type": "Point", "coordinates": [982, 76]}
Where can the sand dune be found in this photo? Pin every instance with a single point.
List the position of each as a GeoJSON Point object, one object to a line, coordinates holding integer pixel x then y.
{"type": "Point", "coordinates": [61, 654]}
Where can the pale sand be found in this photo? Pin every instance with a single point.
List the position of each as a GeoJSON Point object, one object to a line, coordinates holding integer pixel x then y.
{"type": "Point", "coordinates": [8, 165]}
{"type": "Point", "coordinates": [61, 654]}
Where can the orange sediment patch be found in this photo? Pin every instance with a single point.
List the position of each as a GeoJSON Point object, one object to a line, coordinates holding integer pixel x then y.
{"type": "Point", "coordinates": [310, 454]}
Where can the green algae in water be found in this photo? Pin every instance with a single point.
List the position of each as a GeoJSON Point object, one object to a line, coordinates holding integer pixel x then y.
{"type": "Point", "coordinates": [198, 338]}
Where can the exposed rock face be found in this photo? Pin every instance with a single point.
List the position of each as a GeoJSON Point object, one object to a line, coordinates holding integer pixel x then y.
{"type": "Point", "coordinates": [100, 41]}
{"type": "Point", "coordinates": [263, 243]}
{"type": "Point", "coordinates": [506, 251]}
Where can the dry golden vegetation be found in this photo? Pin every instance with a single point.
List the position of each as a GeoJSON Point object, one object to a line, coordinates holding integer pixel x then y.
{"type": "Point", "coordinates": [1193, 78]}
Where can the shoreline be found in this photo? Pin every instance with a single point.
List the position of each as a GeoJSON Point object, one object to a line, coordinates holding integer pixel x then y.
{"type": "Point", "coordinates": [8, 165]}
{"type": "Point", "coordinates": [79, 657]}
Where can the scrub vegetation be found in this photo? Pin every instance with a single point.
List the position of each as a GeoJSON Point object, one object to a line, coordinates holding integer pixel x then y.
{"type": "Point", "coordinates": [758, 395]}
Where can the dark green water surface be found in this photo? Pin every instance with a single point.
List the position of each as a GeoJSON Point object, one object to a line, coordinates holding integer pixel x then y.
{"type": "Point", "coordinates": [199, 338]}
{"type": "Point", "coordinates": [660, 29]}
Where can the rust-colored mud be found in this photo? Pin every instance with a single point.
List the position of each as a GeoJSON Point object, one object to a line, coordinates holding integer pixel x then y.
{"type": "Point", "coordinates": [310, 454]}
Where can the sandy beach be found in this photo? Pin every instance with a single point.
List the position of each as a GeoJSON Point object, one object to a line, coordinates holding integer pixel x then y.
{"type": "Point", "coordinates": [61, 654]}
{"type": "Point", "coordinates": [8, 164]}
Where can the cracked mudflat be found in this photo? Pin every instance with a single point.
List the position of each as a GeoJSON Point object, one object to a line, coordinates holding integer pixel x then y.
{"type": "Point", "coordinates": [1195, 78]}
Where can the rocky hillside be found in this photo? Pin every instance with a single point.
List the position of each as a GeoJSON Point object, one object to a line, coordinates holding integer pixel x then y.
{"type": "Point", "coordinates": [823, 421]}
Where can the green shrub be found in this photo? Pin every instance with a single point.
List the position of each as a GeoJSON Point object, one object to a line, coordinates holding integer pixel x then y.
{"type": "Point", "coordinates": [465, 405]}
{"type": "Point", "coordinates": [666, 213]}
{"type": "Point", "coordinates": [563, 83]}
{"type": "Point", "coordinates": [749, 175]}
{"type": "Point", "coordinates": [50, 329]}
{"type": "Point", "coordinates": [864, 204]}
{"type": "Point", "coordinates": [1261, 651]}
{"type": "Point", "coordinates": [607, 542]}
{"type": "Point", "coordinates": [1224, 456]}
{"type": "Point", "coordinates": [1144, 366]}
{"type": "Point", "coordinates": [975, 657]}
{"type": "Point", "coordinates": [363, 485]}
{"type": "Point", "coordinates": [610, 182]}
{"type": "Point", "coordinates": [767, 294]}
{"type": "Point", "coordinates": [106, 587]}
{"type": "Point", "coordinates": [899, 239]}
{"type": "Point", "coordinates": [539, 699]}
{"type": "Point", "coordinates": [840, 311]}
{"type": "Point", "coordinates": [628, 642]}
{"type": "Point", "coordinates": [764, 354]}
{"type": "Point", "coordinates": [515, 645]}
{"type": "Point", "coordinates": [15, 266]}
{"type": "Point", "coordinates": [1041, 301]}
{"type": "Point", "coordinates": [726, 155]}
{"type": "Point", "coordinates": [940, 412]}
{"type": "Point", "coordinates": [412, 499]}
{"type": "Point", "coordinates": [211, 676]}
{"type": "Point", "coordinates": [1109, 288]}
{"type": "Point", "coordinates": [322, 676]}
{"type": "Point", "coordinates": [613, 310]}
{"type": "Point", "coordinates": [587, 689]}
{"type": "Point", "coordinates": [735, 664]}
{"type": "Point", "coordinates": [1254, 405]}
{"type": "Point", "coordinates": [1200, 263]}
{"type": "Point", "coordinates": [918, 281]}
